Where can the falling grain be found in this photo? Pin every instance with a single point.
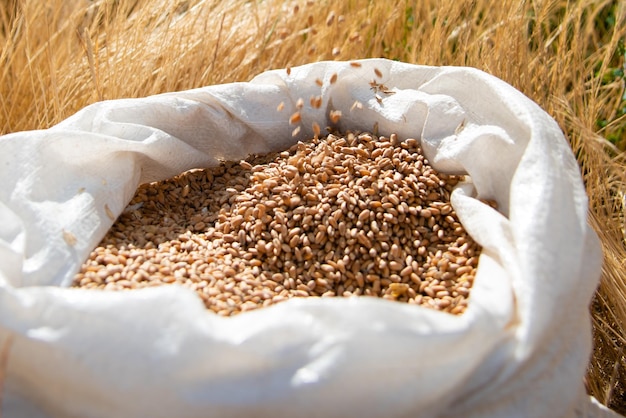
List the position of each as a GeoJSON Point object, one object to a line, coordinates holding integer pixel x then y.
{"type": "Point", "coordinates": [295, 118]}
{"type": "Point", "coordinates": [316, 102]}
{"type": "Point", "coordinates": [356, 105]}
{"type": "Point", "coordinates": [330, 19]}
{"type": "Point", "coordinates": [69, 238]}
{"type": "Point", "coordinates": [316, 129]}
{"type": "Point", "coordinates": [335, 115]}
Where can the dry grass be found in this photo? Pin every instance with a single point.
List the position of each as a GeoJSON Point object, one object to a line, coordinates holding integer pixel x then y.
{"type": "Point", "coordinates": [4, 359]}
{"type": "Point", "coordinates": [59, 56]}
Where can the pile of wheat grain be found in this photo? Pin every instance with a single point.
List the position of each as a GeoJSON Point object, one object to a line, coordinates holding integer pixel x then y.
{"type": "Point", "coordinates": [353, 215]}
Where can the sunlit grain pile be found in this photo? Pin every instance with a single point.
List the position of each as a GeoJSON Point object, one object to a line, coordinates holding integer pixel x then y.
{"type": "Point", "coordinates": [356, 215]}
{"type": "Point", "coordinates": [568, 56]}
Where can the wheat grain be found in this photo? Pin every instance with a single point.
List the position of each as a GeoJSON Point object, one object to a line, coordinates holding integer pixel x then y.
{"type": "Point", "coordinates": [337, 216]}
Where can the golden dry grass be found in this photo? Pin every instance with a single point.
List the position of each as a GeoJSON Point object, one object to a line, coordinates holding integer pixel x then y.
{"type": "Point", "coordinates": [58, 56]}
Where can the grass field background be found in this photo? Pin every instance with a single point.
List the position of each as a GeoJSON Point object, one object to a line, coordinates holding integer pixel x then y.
{"type": "Point", "coordinates": [569, 56]}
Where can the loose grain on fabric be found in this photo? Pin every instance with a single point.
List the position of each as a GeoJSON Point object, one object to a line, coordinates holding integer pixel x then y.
{"type": "Point", "coordinates": [351, 215]}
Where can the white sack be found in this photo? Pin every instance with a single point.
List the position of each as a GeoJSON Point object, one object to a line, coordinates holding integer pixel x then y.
{"type": "Point", "coordinates": [520, 350]}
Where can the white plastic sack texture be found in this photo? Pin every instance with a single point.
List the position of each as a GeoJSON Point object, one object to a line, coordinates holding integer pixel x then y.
{"type": "Point", "coordinates": [520, 350]}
